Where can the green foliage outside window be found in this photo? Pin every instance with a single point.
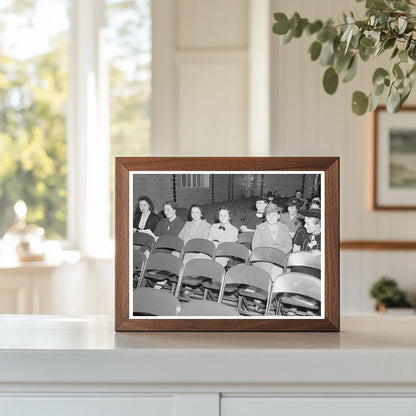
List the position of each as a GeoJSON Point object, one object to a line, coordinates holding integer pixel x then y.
{"type": "Point", "coordinates": [33, 99]}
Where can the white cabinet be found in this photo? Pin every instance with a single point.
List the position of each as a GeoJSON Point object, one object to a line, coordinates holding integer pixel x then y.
{"type": "Point", "coordinates": [322, 406]}
{"type": "Point", "coordinates": [55, 365]}
{"type": "Point", "coordinates": [88, 406]}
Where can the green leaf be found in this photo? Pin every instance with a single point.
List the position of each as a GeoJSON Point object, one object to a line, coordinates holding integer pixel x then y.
{"type": "Point", "coordinates": [330, 80]}
{"type": "Point", "coordinates": [314, 27]}
{"type": "Point", "coordinates": [281, 27]}
{"type": "Point", "coordinates": [374, 101]}
{"type": "Point", "coordinates": [379, 75]}
{"type": "Point", "coordinates": [315, 50]}
{"type": "Point", "coordinates": [397, 71]}
{"type": "Point", "coordinates": [327, 53]}
{"type": "Point", "coordinates": [367, 42]}
{"type": "Point", "coordinates": [366, 53]}
{"type": "Point", "coordinates": [288, 37]}
{"type": "Point", "coordinates": [351, 71]}
{"type": "Point", "coordinates": [403, 56]}
{"type": "Point", "coordinates": [393, 101]}
{"type": "Point", "coordinates": [389, 43]}
{"type": "Point", "coordinates": [359, 103]}
{"type": "Point", "coordinates": [298, 30]}
{"type": "Point", "coordinates": [408, 42]}
{"type": "Point", "coordinates": [395, 52]}
{"type": "Point", "coordinates": [378, 89]}
{"type": "Point", "coordinates": [376, 4]}
{"type": "Point", "coordinates": [402, 24]}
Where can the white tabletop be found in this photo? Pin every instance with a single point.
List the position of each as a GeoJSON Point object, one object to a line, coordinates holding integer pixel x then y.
{"type": "Point", "coordinates": [376, 349]}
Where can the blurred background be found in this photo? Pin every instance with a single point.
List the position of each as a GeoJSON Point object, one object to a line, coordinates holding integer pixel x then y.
{"type": "Point", "coordinates": [83, 81]}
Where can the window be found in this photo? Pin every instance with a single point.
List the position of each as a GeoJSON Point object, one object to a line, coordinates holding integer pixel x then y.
{"type": "Point", "coordinates": [75, 87]}
{"type": "Point", "coordinates": [195, 181]}
{"type": "Point", "coordinates": [33, 103]}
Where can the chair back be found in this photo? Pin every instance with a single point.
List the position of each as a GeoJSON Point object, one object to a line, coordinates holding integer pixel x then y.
{"type": "Point", "coordinates": [251, 276]}
{"type": "Point", "coordinates": [170, 243]}
{"type": "Point", "coordinates": [206, 308]}
{"type": "Point", "coordinates": [148, 301]}
{"type": "Point", "coordinates": [143, 240]}
{"type": "Point", "coordinates": [199, 245]}
{"type": "Point", "coordinates": [304, 258]}
{"type": "Point", "coordinates": [297, 284]}
{"type": "Point", "coordinates": [246, 238]}
{"type": "Point", "coordinates": [201, 268]}
{"type": "Point", "coordinates": [162, 262]}
{"type": "Point", "coordinates": [139, 259]}
{"type": "Point", "coordinates": [269, 255]}
{"type": "Point", "coordinates": [231, 250]}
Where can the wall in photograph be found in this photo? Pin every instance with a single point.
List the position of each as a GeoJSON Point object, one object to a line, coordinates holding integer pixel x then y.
{"type": "Point", "coordinates": [188, 189]}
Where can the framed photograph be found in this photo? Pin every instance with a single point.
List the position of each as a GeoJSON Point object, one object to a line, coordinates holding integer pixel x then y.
{"type": "Point", "coordinates": [394, 180]}
{"type": "Point", "coordinates": [227, 244]}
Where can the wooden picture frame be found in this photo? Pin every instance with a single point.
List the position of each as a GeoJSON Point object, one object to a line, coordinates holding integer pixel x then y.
{"type": "Point", "coordinates": [130, 170]}
{"type": "Point", "coordinates": [394, 158]}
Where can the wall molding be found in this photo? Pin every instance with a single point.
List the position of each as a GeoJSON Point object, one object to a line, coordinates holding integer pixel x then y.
{"type": "Point", "coordinates": [377, 245]}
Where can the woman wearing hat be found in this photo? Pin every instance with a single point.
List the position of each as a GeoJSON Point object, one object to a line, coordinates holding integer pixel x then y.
{"type": "Point", "coordinates": [290, 218]}
{"type": "Point", "coordinates": [308, 238]}
{"type": "Point", "coordinates": [255, 218]}
{"type": "Point", "coordinates": [272, 233]}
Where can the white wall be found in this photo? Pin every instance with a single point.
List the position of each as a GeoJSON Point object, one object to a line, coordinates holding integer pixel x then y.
{"type": "Point", "coordinates": [308, 122]}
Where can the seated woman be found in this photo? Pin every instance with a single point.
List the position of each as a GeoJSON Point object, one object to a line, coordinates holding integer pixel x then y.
{"type": "Point", "coordinates": [291, 218]}
{"type": "Point", "coordinates": [222, 230]}
{"type": "Point", "coordinates": [272, 233]}
{"type": "Point", "coordinates": [144, 217]}
{"type": "Point", "coordinates": [308, 238]}
{"type": "Point", "coordinates": [171, 225]}
{"type": "Point", "coordinates": [303, 202]}
{"type": "Point", "coordinates": [255, 218]}
{"type": "Point", "coordinates": [197, 226]}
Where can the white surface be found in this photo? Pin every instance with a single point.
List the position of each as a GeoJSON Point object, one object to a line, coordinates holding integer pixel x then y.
{"type": "Point", "coordinates": [54, 365]}
{"type": "Point", "coordinates": [311, 406]}
{"type": "Point", "coordinates": [45, 349]}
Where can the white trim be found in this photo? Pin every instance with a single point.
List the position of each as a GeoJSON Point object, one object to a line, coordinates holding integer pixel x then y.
{"type": "Point", "coordinates": [164, 97]}
{"type": "Point", "coordinates": [259, 79]}
{"type": "Point", "coordinates": [88, 210]}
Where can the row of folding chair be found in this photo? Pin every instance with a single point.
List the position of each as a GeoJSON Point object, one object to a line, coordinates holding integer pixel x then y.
{"type": "Point", "coordinates": [245, 288]}
{"type": "Point", "coordinates": [239, 252]}
{"type": "Point", "coordinates": [173, 243]}
{"type": "Point", "coordinates": [301, 261]}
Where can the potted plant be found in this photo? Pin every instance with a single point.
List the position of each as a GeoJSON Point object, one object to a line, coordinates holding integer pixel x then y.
{"type": "Point", "coordinates": [387, 294]}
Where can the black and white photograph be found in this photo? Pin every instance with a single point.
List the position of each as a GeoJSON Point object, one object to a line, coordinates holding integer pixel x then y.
{"type": "Point", "coordinates": [226, 244]}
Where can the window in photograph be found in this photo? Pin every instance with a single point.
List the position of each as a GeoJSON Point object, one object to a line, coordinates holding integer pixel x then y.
{"type": "Point", "coordinates": [195, 181]}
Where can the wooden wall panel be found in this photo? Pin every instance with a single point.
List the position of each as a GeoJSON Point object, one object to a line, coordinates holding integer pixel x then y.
{"type": "Point", "coordinates": [212, 108]}
{"type": "Point", "coordinates": [211, 24]}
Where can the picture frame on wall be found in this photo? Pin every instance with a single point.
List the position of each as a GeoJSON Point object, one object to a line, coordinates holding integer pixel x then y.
{"type": "Point", "coordinates": [227, 244]}
{"type": "Point", "coordinates": [394, 150]}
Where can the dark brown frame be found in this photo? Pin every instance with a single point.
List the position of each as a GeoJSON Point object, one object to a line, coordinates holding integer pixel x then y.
{"type": "Point", "coordinates": [376, 205]}
{"type": "Point", "coordinates": [329, 165]}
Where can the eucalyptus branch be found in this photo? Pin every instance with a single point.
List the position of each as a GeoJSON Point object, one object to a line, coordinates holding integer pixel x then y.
{"type": "Point", "coordinates": [389, 25]}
